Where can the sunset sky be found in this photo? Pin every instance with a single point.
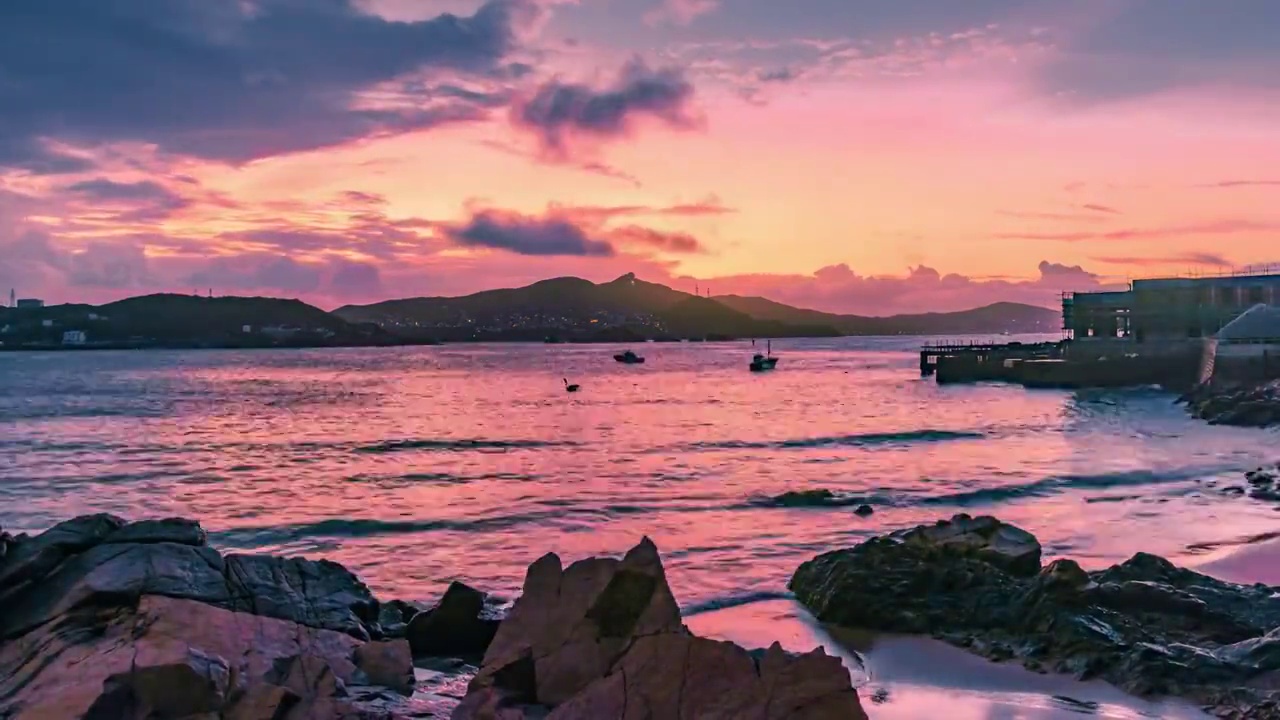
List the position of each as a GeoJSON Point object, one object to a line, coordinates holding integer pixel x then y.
{"type": "Point", "coordinates": [869, 156]}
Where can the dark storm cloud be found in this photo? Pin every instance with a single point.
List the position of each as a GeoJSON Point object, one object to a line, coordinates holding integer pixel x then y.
{"type": "Point", "coordinates": [528, 235]}
{"type": "Point", "coordinates": [559, 110]}
{"type": "Point", "coordinates": [223, 79]}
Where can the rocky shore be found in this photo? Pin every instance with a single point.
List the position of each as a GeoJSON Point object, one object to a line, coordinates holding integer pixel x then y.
{"type": "Point", "coordinates": [1144, 625]}
{"type": "Point", "coordinates": [103, 619]}
{"type": "Point", "coordinates": [1243, 406]}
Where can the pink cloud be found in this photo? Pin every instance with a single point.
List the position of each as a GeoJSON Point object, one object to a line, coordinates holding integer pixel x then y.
{"type": "Point", "coordinates": [680, 12]}
{"type": "Point", "coordinates": [1200, 229]}
{"type": "Point", "coordinates": [838, 288]}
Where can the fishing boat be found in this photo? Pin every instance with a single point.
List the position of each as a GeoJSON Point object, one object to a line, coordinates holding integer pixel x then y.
{"type": "Point", "coordinates": [629, 358]}
{"type": "Point", "coordinates": [760, 363]}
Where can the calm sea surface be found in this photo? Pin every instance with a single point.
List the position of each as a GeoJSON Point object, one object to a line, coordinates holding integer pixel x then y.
{"type": "Point", "coordinates": [415, 466]}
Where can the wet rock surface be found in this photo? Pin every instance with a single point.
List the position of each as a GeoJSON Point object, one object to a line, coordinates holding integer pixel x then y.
{"type": "Point", "coordinates": [101, 619]}
{"type": "Point", "coordinates": [1144, 625]}
{"type": "Point", "coordinates": [1243, 406]}
{"type": "Point", "coordinates": [603, 639]}
{"type": "Point", "coordinates": [462, 624]}
{"type": "Point", "coordinates": [105, 619]}
{"type": "Point", "coordinates": [818, 497]}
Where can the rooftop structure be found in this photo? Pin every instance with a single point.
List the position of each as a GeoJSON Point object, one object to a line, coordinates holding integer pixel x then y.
{"type": "Point", "coordinates": [1160, 309]}
{"type": "Point", "coordinates": [24, 303]}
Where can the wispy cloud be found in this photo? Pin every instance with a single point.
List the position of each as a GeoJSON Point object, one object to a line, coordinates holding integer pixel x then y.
{"type": "Point", "coordinates": [1217, 227]}
{"type": "Point", "coordinates": [1195, 258]}
{"type": "Point", "coordinates": [680, 12]}
{"type": "Point", "coordinates": [1243, 183]}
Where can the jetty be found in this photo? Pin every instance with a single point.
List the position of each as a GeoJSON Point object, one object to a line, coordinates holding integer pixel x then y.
{"type": "Point", "coordinates": [1173, 332]}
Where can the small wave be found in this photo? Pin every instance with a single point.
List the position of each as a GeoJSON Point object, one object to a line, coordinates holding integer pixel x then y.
{"type": "Point", "coordinates": [249, 537]}
{"type": "Point", "coordinates": [863, 439]}
{"type": "Point", "coordinates": [1057, 484]}
{"type": "Point", "coordinates": [442, 478]}
{"type": "Point", "coordinates": [460, 445]}
{"type": "Point", "coordinates": [1202, 547]}
{"type": "Point", "coordinates": [732, 601]}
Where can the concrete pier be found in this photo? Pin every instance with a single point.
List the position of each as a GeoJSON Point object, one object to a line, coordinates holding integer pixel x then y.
{"type": "Point", "coordinates": [969, 362]}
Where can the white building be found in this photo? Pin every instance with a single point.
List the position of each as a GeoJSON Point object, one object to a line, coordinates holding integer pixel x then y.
{"type": "Point", "coordinates": [73, 337]}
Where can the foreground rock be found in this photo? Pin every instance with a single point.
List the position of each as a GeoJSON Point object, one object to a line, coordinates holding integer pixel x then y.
{"type": "Point", "coordinates": [462, 624]}
{"type": "Point", "coordinates": [1245, 406]}
{"type": "Point", "coordinates": [105, 619]}
{"type": "Point", "coordinates": [1144, 625]}
{"type": "Point", "coordinates": [603, 640]}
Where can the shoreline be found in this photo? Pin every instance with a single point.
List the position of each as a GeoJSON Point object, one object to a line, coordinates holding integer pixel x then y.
{"type": "Point", "coordinates": [57, 347]}
{"type": "Point", "coordinates": [897, 676]}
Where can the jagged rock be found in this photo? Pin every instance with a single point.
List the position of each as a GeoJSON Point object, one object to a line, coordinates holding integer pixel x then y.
{"type": "Point", "coordinates": [818, 497]}
{"type": "Point", "coordinates": [95, 557]}
{"type": "Point", "coordinates": [388, 663]}
{"type": "Point", "coordinates": [984, 538]}
{"type": "Point", "coordinates": [59, 668]}
{"type": "Point", "coordinates": [460, 625]}
{"type": "Point", "coordinates": [674, 675]}
{"type": "Point", "coordinates": [170, 530]}
{"type": "Point", "coordinates": [1143, 625]}
{"type": "Point", "coordinates": [394, 617]}
{"type": "Point", "coordinates": [572, 624]}
{"type": "Point", "coordinates": [177, 688]}
{"type": "Point", "coordinates": [316, 593]}
{"type": "Point", "coordinates": [603, 640]}
{"type": "Point", "coordinates": [36, 557]}
{"type": "Point", "coordinates": [103, 619]}
{"type": "Point", "coordinates": [262, 702]}
{"type": "Point", "coordinates": [1245, 406]}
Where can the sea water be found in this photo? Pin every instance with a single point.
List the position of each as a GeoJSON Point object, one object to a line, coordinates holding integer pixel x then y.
{"type": "Point", "coordinates": [417, 466]}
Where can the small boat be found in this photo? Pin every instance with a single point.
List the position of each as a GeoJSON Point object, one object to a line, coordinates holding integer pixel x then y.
{"type": "Point", "coordinates": [760, 363]}
{"type": "Point", "coordinates": [629, 358]}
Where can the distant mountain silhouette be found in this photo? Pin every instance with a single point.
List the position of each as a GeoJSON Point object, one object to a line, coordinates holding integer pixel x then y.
{"type": "Point", "coordinates": [996, 318]}
{"type": "Point", "coordinates": [629, 308]}
{"type": "Point", "coordinates": [171, 320]}
{"type": "Point", "coordinates": [561, 309]}
{"type": "Point", "coordinates": [575, 309]}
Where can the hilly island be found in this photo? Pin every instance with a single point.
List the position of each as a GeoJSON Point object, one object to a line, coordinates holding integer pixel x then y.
{"type": "Point", "coordinates": [563, 309]}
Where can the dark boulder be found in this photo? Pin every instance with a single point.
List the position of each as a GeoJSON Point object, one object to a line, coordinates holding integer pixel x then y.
{"type": "Point", "coordinates": [101, 558]}
{"type": "Point", "coordinates": [460, 625]}
{"type": "Point", "coordinates": [603, 640]}
{"type": "Point", "coordinates": [104, 619]}
{"type": "Point", "coordinates": [817, 497]}
{"type": "Point", "coordinates": [1242, 405]}
{"type": "Point", "coordinates": [1144, 625]}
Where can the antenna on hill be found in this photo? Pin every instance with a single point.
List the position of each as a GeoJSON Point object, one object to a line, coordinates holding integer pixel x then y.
{"type": "Point", "coordinates": [210, 293]}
